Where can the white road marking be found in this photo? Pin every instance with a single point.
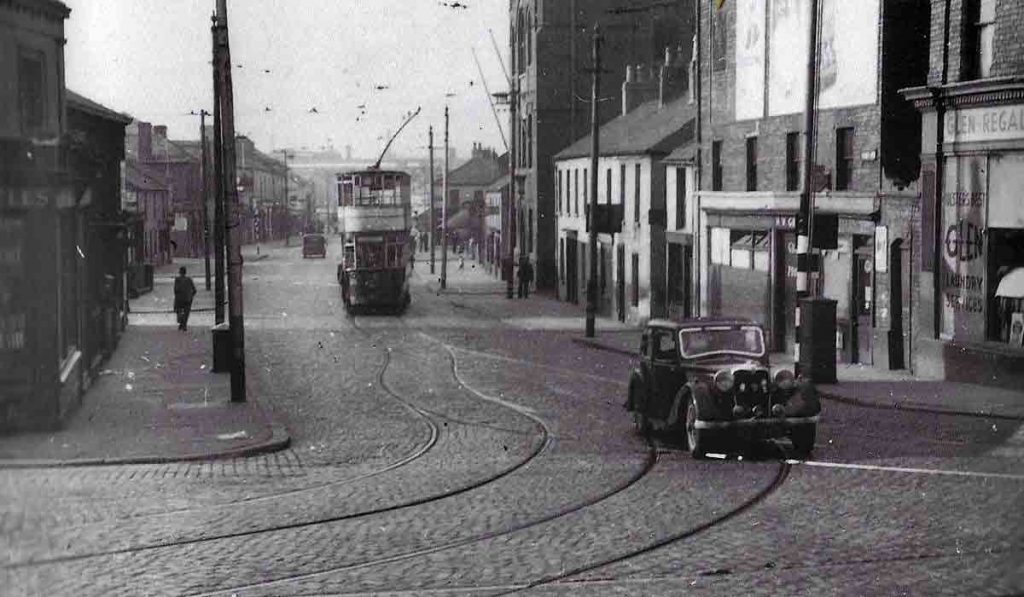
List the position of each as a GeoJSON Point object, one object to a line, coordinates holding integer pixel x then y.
{"type": "Point", "coordinates": [905, 470]}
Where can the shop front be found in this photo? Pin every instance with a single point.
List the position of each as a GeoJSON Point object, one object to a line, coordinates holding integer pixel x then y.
{"type": "Point", "coordinates": [975, 196]}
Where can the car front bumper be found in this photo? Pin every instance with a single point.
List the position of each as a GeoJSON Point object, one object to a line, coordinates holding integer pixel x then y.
{"type": "Point", "coordinates": [761, 422]}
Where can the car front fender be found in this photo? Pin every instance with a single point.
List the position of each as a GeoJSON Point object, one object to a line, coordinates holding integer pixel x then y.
{"type": "Point", "coordinates": [708, 408]}
{"type": "Point", "coordinates": [636, 389]}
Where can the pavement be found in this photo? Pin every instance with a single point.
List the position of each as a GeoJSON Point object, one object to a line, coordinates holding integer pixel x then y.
{"type": "Point", "coordinates": [155, 401]}
{"type": "Point", "coordinates": [862, 385]}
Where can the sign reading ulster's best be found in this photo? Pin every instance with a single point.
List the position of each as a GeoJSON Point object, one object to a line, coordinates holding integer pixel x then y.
{"type": "Point", "coordinates": [990, 123]}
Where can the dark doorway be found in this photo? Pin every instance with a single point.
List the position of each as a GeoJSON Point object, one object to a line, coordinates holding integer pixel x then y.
{"type": "Point", "coordinates": [620, 282]}
{"type": "Point", "coordinates": [572, 271]}
{"type": "Point", "coordinates": [896, 354]}
{"type": "Point", "coordinates": [863, 300]}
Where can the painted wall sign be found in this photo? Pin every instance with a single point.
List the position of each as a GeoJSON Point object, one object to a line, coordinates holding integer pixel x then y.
{"type": "Point", "coordinates": [990, 123]}
{"type": "Point", "coordinates": [881, 249]}
{"type": "Point", "coordinates": [962, 261]}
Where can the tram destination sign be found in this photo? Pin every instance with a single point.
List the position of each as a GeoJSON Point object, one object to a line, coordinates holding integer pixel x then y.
{"type": "Point", "coordinates": [992, 123]}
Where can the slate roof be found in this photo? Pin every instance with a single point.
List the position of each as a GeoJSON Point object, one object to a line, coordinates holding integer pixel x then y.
{"type": "Point", "coordinates": [478, 171]}
{"type": "Point", "coordinates": [645, 130]}
{"type": "Point", "coordinates": [83, 104]}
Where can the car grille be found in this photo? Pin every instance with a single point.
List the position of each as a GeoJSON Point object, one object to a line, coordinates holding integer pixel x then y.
{"type": "Point", "coordinates": [751, 388]}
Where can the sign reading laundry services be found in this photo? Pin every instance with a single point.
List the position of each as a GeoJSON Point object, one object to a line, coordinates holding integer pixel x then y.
{"type": "Point", "coordinates": [991, 123]}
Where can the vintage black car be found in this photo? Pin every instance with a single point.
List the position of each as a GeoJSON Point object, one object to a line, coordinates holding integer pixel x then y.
{"type": "Point", "coordinates": [710, 378]}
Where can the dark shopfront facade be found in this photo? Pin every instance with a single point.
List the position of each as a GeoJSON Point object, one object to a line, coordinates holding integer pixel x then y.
{"type": "Point", "coordinates": [973, 232]}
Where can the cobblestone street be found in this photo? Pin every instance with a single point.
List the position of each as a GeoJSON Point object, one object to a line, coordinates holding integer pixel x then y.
{"type": "Point", "coordinates": [471, 447]}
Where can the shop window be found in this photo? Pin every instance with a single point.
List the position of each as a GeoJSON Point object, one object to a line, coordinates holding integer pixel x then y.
{"type": "Point", "coordinates": [793, 160]}
{"type": "Point", "coordinates": [680, 198]}
{"type": "Point", "coordinates": [844, 158]}
{"type": "Point", "coordinates": [716, 165]}
{"type": "Point", "coordinates": [1005, 322]}
{"type": "Point", "coordinates": [742, 249]}
{"type": "Point", "coordinates": [751, 163]}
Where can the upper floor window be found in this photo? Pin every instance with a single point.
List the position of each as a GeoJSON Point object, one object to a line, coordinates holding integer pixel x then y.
{"type": "Point", "coordinates": [558, 191]}
{"type": "Point", "coordinates": [622, 184]}
{"type": "Point", "coordinates": [844, 158]}
{"type": "Point", "coordinates": [793, 158]}
{"type": "Point", "coordinates": [680, 198]}
{"type": "Point", "coordinates": [984, 34]}
{"type": "Point", "coordinates": [751, 163]}
{"type": "Point", "coordinates": [32, 90]}
{"type": "Point", "coordinates": [716, 165]}
{"type": "Point", "coordinates": [608, 186]}
{"type": "Point", "coordinates": [576, 191]}
{"type": "Point", "coordinates": [636, 193]}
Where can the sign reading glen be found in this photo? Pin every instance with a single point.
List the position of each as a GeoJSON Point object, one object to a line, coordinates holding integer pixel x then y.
{"type": "Point", "coordinates": [996, 123]}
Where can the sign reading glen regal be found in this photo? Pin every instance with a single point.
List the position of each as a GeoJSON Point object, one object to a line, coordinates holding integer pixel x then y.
{"type": "Point", "coordinates": [994, 123]}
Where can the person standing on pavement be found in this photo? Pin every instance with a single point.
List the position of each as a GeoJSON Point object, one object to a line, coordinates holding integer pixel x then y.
{"type": "Point", "coordinates": [184, 292]}
{"type": "Point", "coordinates": [525, 277]}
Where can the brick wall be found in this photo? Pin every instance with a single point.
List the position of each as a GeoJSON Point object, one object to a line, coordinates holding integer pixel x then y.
{"type": "Point", "coordinates": [1008, 43]}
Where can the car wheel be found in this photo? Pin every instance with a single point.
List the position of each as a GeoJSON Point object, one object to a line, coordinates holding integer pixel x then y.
{"type": "Point", "coordinates": [696, 439]}
{"type": "Point", "coordinates": [803, 437]}
{"type": "Point", "coordinates": [641, 423]}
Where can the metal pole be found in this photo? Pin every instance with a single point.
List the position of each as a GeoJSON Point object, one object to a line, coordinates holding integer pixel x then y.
{"type": "Point", "coordinates": [444, 209]}
{"type": "Point", "coordinates": [205, 174]}
{"type": "Point", "coordinates": [510, 236]}
{"type": "Point", "coordinates": [804, 220]}
{"type": "Point", "coordinates": [219, 227]}
{"type": "Point", "coordinates": [433, 218]}
{"type": "Point", "coordinates": [235, 317]}
{"type": "Point", "coordinates": [287, 204]}
{"type": "Point", "coordinates": [592, 216]}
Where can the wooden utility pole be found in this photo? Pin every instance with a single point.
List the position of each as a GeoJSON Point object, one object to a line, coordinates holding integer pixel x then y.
{"type": "Point", "coordinates": [205, 174]}
{"type": "Point", "coordinates": [592, 216]}
{"type": "Point", "coordinates": [433, 220]}
{"type": "Point", "coordinates": [235, 317]}
{"type": "Point", "coordinates": [444, 209]}
{"type": "Point", "coordinates": [219, 228]}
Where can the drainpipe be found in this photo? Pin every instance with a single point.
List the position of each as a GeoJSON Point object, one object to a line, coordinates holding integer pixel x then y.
{"type": "Point", "coordinates": [940, 130]}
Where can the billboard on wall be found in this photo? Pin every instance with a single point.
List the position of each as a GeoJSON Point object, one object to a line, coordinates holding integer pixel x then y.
{"type": "Point", "coordinates": [750, 54]}
{"type": "Point", "coordinates": [848, 54]}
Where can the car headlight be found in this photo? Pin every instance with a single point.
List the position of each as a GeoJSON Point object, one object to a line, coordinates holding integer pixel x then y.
{"type": "Point", "coordinates": [784, 379]}
{"type": "Point", "coordinates": [723, 381]}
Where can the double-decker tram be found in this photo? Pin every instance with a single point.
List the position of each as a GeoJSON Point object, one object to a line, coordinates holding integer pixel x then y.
{"type": "Point", "coordinates": [374, 213]}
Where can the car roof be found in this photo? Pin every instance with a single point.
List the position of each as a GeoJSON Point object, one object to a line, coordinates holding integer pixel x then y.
{"type": "Point", "coordinates": [699, 322]}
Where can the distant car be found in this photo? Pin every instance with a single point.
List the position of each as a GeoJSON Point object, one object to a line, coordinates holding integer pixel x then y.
{"type": "Point", "coordinates": [314, 244]}
{"type": "Point", "coordinates": [710, 379]}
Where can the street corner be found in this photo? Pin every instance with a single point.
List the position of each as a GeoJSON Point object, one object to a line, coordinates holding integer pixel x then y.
{"type": "Point", "coordinates": [184, 433]}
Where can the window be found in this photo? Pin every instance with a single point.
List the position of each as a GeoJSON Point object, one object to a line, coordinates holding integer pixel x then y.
{"type": "Point", "coordinates": [751, 163]}
{"type": "Point", "coordinates": [608, 186]}
{"type": "Point", "coordinates": [720, 245]}
{"type": "Point", "coordinates": [983, 14]}
{"type": "Point", "coordinates": [529, 141]}
{"type": "Point", "coordinates": [635, 263]}
{"type": "Point", "coordinates": [622, 184]}
{"type": "Point", "coordinates": [716, 165]}
{"type": "Point", "coordinates": [561, 260]}
{"type": "Point", "coordinates": [636, 193]}
{"type": "Point", "coordinates": [586, 196]}
{"type": "Point", "coordinates": [529, 239]}
{"type": "Point", "coordinates": [680, 198]}
{"type": "Point", "coordinates": [748, 249]}
{"type": "Point", "coordinates": [844, 158]}
{"type": "Point", "coordinates": [576, 192]}
{"type": "Point", "coordinates": [663, 345]}
{"type": "Point", "coordinates": [793, 157]}
{"type": "Point", "coordinates": [67, 289]}
{"type": "Point", "coordinates": [31, 91]}
{"type": "Point", "coordinates": [558, 191]}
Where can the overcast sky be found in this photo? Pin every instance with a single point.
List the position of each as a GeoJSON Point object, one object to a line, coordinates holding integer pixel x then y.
{"type": "Point", "coordinates": [150, 58]}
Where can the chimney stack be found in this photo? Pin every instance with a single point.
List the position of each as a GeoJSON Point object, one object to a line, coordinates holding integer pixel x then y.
{"type": "Point", "coordinates": [673, 78]}
{"type": "Point", "coordinates": [638, 88]}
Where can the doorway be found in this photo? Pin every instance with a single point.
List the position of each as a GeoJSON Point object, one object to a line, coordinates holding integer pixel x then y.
{"type": "Point", "coordinates": [571, 271]}
{"type": "Point", "coordinates": [896, 354]}
{"type": "Point", "coordinates": [620, 282]}
{"type": "Point", "coordinates": [863, 300]}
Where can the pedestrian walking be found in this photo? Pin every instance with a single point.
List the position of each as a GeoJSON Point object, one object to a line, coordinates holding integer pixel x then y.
{"type": "Point", "coordinates": [184, 292]}
{"type": "Point", "coordinates": [525, 277]}
{"type": "Point", "coordinates": [462, 261]}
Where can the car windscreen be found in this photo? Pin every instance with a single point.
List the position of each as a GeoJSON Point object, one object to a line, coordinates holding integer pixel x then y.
{"type": "Point", "coordinates": [740, 340]}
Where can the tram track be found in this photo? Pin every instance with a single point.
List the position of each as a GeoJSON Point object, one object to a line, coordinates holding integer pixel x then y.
{"type": "Point", "coordinates": [544, 443]}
